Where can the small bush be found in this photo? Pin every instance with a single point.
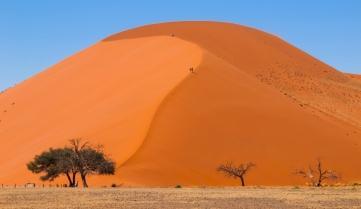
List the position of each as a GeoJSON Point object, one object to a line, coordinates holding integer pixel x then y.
{"type": "Point", "coordinates": [113, 185]}
{"type": "Point", "coordinates": [356, 184]}
{"type": "Point", "coordinates": [178, 186]}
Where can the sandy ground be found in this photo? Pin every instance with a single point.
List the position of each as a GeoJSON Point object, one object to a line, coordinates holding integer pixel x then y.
{"type": "Point", "coordinates": [255, 197]}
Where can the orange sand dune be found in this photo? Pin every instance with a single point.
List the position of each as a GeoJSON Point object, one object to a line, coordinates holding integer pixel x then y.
{"type": "Point", "coordinates": [252, 97]}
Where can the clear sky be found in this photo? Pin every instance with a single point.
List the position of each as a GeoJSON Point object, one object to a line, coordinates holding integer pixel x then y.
{"type": "Point", "coordinates": [35, 34]}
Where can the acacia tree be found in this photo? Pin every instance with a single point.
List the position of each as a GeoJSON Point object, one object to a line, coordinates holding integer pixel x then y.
{"type": "Point", "coordinates": [317, 174]}
{"type": "Point", "coordinates": [231, 170]}
{"type": "Point", "coordinates": [54, 163]}
{"type": "Point", "coordinates": [91, 160]}
{"type": "Point", "coordinates": [68, 164]}
{"type": "Point", "coordinates": [69, 161]}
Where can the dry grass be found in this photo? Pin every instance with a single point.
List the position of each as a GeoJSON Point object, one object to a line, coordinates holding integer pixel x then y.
{"type": "Point", "coordinates": [135, 198]}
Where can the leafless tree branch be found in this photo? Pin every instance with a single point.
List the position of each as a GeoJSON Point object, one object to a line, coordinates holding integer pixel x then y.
{"type": "Point", "coordinates": [317, 175]}
{"type": "Point", "coordinates": [234, 171]}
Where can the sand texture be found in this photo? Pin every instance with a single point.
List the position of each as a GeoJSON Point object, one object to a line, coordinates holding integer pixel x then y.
{"type": "Point", "coordinates": [250, 97]}
{"type": "Point", "coordinates": [186, 198]}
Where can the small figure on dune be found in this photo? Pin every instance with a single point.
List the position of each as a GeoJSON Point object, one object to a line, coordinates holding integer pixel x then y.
{"type": "Point", "coordinates": [191, 70]}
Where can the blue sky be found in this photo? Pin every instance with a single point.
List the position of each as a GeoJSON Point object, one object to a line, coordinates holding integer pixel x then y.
{"type": "Point", "coordinates": [39, 33]}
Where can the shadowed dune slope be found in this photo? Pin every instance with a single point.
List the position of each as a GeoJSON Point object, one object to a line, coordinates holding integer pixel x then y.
{"type": "Point", "coordinates": [273, 61]}
{"type": "Point", "coordinates": [252, 97]}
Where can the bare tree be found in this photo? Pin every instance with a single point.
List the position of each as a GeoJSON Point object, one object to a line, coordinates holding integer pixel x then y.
{"type": "Point", "coordinates": [231, 170]}
{"type": "Point", "coordinates": [317, 174]}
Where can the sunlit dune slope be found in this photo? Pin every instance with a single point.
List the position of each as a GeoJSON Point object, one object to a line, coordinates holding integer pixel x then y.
{"type": "Point", "coordinates": [251, 97]}
{"type": "Point", "coordinates": [107, 94]}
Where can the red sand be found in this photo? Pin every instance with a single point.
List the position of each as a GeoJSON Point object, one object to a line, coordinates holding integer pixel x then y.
{"type": "Point", "coordinates": [252, 97]}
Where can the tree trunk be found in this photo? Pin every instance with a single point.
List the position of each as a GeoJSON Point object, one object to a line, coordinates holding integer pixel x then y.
{"type": "Point", "coordinates": [320, 177]}
{"type": "Point", "coordinates": [242, 181]}
{"type": "Point", "coordinates": [83, 178]}
{"type": "Point", "coordinates": [74, 180]}
{"type": "Point", "coordinates": [69, 179]}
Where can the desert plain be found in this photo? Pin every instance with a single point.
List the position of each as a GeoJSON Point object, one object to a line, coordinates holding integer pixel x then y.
{"type": "Point", "coordinates": [182, 198]}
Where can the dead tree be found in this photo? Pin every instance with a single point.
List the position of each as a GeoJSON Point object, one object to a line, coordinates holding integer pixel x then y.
{"type": "Point", "coordinates": [233, 171]}
{"type": "Point", "coordinates": [316, 175]}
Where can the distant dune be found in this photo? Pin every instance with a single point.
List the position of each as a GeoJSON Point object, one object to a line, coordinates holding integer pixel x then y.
{"type": "Point", "coordinates": [250, 97]}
